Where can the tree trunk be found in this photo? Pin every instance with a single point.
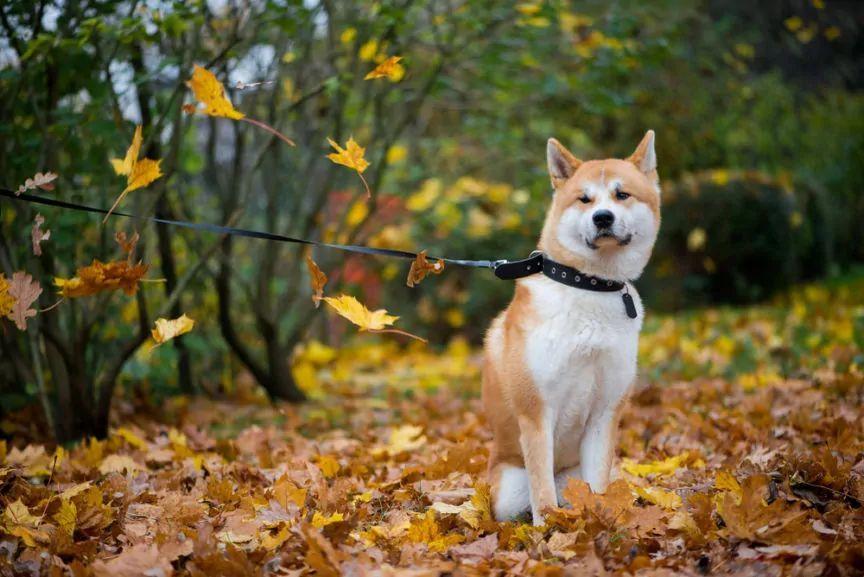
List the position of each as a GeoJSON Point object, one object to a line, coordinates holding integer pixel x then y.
{"type": "Point", "coordinates": [281, 384]}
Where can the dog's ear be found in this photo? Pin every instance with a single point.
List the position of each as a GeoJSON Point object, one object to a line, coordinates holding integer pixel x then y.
{"type": "Point", "coordinates": [561, 163]}
{"type": "Point", "coordinates": [644, 157]}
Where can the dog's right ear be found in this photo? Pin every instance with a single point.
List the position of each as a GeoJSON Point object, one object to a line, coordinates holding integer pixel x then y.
{"type": "Point", "coordinates": [561, 163]}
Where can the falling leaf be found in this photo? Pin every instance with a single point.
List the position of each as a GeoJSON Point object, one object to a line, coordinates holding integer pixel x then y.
{"type": "Point", "coordinates": [99, 277]}
{"type": "Point", "coordinates": [168, 329]}
{"type": "Point", "coordinates": [351, 156]}
{"type": "Point", "coordinates": [420, 267]}
{"type": "Point", "coordinates": [318, 279]}
{"type": "Point", "coordinates": [139, 172]}
{"type": "Point", "coordinates": [320, 521]}
{"type": "Point", "coordinates": [210, 92]}
{"type": "Point", "coordinates": [372, 321]}
{"type": "Point", "coordinates": [127, 244]}
{"type": "Point", "coordinates": [25, 291]}
{"type": "Point", "coordinates": [39, 180]}
{"type": "Point", "coordinates": [37, 235]}
{"type": "Point", "coordinates": [390, 68]}
{"type": "Point", "coordinates": [7, 301]}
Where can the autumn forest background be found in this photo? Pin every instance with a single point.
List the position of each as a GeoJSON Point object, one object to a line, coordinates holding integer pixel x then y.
{"type": "Point", "coordinates": [276, 436]}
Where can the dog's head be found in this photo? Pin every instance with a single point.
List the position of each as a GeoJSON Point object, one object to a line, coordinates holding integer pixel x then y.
{"type": "Point", "coordinates": [605, 214]}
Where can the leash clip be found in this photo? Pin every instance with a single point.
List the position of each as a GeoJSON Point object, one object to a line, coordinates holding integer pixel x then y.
{"type": "Point", "coordinates": [496, 263]}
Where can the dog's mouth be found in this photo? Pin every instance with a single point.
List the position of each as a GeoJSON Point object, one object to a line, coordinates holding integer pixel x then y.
{"type": "Point", "coordinates": [607, 238]}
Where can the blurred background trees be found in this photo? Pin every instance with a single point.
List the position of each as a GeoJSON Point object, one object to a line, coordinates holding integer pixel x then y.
{"type": "Point", "coordinates": [757, 106]}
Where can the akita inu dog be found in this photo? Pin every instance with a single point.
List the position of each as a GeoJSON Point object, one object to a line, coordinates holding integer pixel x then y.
{"type": "Point", "coordinates": [560, 361]}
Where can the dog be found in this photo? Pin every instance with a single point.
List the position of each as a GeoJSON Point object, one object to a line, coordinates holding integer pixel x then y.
{"type": "Point", "coordinates": [559, 362]}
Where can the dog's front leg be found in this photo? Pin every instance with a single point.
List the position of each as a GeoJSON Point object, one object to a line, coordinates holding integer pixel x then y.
{"type": "Point", "coordinates": [598, 447]}
{"type": "Point", "coordinates": [537, 450]}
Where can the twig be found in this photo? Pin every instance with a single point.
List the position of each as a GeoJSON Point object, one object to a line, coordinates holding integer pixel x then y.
{"type": "Point", "coordinates": [269, 129]}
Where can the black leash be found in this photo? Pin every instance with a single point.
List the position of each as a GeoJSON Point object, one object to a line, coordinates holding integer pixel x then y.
{"type": "Point", "coordinates": [219, 229]}
{"type": "Point", "coordinates": [536, 263]}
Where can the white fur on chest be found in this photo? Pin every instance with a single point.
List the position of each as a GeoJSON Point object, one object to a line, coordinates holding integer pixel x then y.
{"type": "Point", "coordinates": [581, 355]}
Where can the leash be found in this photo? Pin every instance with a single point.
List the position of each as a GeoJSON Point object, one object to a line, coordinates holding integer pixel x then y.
{"type": "Point", "coordinates": [536, 263]}
{"type": "Point", "coordinates": [230, 230]}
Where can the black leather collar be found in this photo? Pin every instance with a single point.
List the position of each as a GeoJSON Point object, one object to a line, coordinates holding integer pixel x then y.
{"type": "Point", "coordinates": [567, 275]}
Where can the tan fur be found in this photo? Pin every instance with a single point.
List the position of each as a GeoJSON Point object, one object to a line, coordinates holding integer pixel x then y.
{"type": "Point", "coordinates": [513, 404]}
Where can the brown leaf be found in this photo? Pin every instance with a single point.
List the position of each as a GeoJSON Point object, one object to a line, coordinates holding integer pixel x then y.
{"type": "Point", "coordinates": [318, 279]}
{"type": "Point", "coordinates": [37, 235]}
{"type": "Point", "coordinates": [421, 267]}
{"type": "Point", "coordinates": [320, 555]}
{"type": "Point", "coordinates": [127, 244]}
{"type": "Point", "coordinates": [39, 180]}
{"type": "Point", "coordinates": [135, 561]}
{"type": "Point", "coordinates": [24, 290]}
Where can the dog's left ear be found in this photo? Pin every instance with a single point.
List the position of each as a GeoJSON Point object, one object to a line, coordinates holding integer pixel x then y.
{"type": "Point", "coordinates": [644, 157]}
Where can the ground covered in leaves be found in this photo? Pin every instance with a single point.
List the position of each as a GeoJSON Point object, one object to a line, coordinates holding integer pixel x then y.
{"type": "Point", "coordinates": [742, 454]}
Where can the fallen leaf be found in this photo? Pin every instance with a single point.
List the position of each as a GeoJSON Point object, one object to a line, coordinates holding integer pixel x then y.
{"type": "Point", "coordinates": [664, 467]}
{"type": "Point", "coordinates": [390, 68]}
{"type": "Point", "coordinates": [25, 291]}
{"type": "Point", "coordinates": [168, 329]}
{"type": "Point", "coordinates": [118, 464]}
{"type": "Point", "coordinates": [37, 235]}
{"type": "Point", "coordinates": [211, 93]}
{"type": "Point", "coordinates": [318, 279]}
{"type": "Point", "coordinates": [66, 516]}
{"type": "Point", "coordinates": [420, 267]}
{"type": "Point", "coordinates": [725, 481]}
{"type": "Point", "coordinates": [139, 560]}
{"type": "Point", "coordinates": [659, 496]}
{"type": "Point", "coordinates": [320, 521]}
{"type": "Point", "coordinates": [39, 180]}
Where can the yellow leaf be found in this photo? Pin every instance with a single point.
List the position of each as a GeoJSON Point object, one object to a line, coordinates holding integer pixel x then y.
{"type": "Point", "coordinates": [118, 464]}
{"type": "Point", "coordinates": [17, 514]}
{"type": "Point", "coordinates": [664, 467]}
{"type": "Point", "coordinates": [390, 69]}
{"type": "Point", "coordinates": [350, 308]}
{"type": "Point", "coordinates": [66, 516]}
{"type": "Point", "coordinates": [351, 156]}
{"type": "Point", "coordinates": [285, 492]}
{"type": "Point", "coordinates": [139, 173]}
{"type": "Point", "coordinates": [320, 521]}
{"type": "Point", "coordinates": [402, 439]}
{"type": "Point", "coordinates": [726, 481]}
{"type": "Point", "coordinates": [168, 329]}
{"type": "Point", "coordinates": [658, 496]}
{"type": "Point", "coordinates": [274, 541]}
{"type": "Point", "coordinates": [131, 438]}
{"type": "Point", "coordinates": [210, 92]}
{"type": "Point", "coordinates": [348, 35]}
{"type": "Point", "coordinates": [328, 465]}
{"type": "Point", "coordinates": [369, 50]}
{"type": "Point", "coordinates": [7, 301]}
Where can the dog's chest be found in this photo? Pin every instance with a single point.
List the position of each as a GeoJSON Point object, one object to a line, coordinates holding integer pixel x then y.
{"type": "Point", "coordinates": [579, 338]}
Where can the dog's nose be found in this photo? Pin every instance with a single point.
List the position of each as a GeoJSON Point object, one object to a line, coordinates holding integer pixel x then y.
{"type": "Point", "coordinates": [604, 218]}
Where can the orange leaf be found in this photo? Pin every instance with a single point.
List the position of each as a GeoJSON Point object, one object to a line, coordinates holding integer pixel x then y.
{"type": "Point", "coordinates": [390, 68]}
{"type": "Point", "coordinates": [210, 92]}
{"type": "Point", "coordinates": [318, 280]}
{"type": "Point", "coordinates": [421, 267]}
{"type": "Point", "coordinates": [7, 301]}
{"type": "Point", "coordinates": [139, 173]}
{"type": "Point", "coordinates": [351, 156]}
{"type": "Point", "coordinates": [98, 277]}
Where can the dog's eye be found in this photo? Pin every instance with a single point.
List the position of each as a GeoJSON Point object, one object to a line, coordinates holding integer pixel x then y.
{"type": "Point", "coordinates": [621, 195]}
{"type": "Point", "coordinates": [585, 199]}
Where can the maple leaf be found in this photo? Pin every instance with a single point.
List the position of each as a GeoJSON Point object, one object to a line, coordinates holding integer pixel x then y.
{"type": "Point", "coordinates": [318, 279]}
{"type": "Point", "coordinates": [351, 156]}
{"type": "Point", "coordinates": [139, 172]}
{"type": "Point", "coordinates": [98, 277]}
{"type": "Point", "coordinates": [371, 321]}
{"type": "Point", "coordinates": [25, 291]}
{"type": "Point", "coordinates": [664, 467]}
{"type": "Point", "coordinates": [425, 529]}
{"type": "Point", "coordinates": [319, 521]}
{"type": "Point", "coordinates": [659, 496]}
{"type": "Point", "coordinates": [285, 492]}
{"type": "Point", "coordinates": [725, 481]}
{"type": "Point", "coordinates": [37, 235]}
{"type": "Point", "coordinates": [7, 301]}
{"type": "Point", "coordinates": [66, 516]}
{"type": "Point", "coordinates": [39, 180]}
{"type": "Point", "coordinates": [390, 68]}
{"type": "Point", "coordinates": [168, 329]}
{"type": "Point", "coordinates": [135, 561]}
{"type": "Point", "coordinates": [402, 439]}
{"type": "Point", "coordinates": [420, 267]}
{"type": "Point", "coordinates": [18, 521]}
{"type": "Point", "coordinates": [320, 554]}
{"type": "Point", "coordinates": [211, 93]}
{"type": "Point", "coordinates": [118, 464]}
{"type": "Point", "coordinates": [328, 466]}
